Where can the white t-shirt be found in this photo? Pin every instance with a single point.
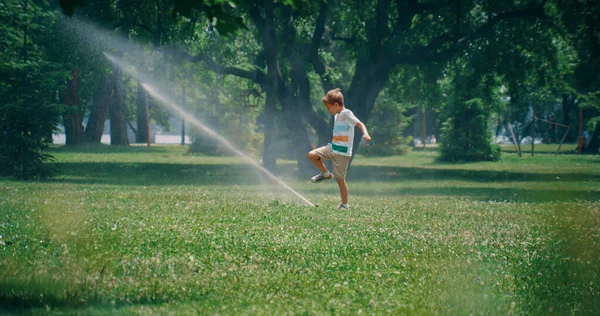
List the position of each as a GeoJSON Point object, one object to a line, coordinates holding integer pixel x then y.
{"type": "Point", "coordinates": [343, 133]}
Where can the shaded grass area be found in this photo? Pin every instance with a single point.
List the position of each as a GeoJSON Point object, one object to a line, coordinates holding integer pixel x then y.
{"type": "Point", "coordinates": [159, 231]}
{"type": "Point", "coordinates": [543, 187]}
{"type": "Point", "coordinates": [567, 148]}
{"type": "Point", "coordinates": [174, 173]}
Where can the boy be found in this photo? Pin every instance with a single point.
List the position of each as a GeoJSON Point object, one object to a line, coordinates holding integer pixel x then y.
{"type": "Point", "coordinates": [339, 151]}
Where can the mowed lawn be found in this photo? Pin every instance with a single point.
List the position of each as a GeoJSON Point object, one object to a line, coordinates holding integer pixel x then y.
{"type": "Point", "coordinates": [155, 230]}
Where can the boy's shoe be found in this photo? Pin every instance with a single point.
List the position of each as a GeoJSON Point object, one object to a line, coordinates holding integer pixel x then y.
{"type": "Point", "coordinates": [320, 177]}
{"type": "Point", "coordinates": [343, 207]}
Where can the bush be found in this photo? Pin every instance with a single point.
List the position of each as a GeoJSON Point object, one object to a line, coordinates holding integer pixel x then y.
{"type": "Point", "coordinates": [27, 119]}
{"type": "Point", "coordinates": [25, 137]}
{"type": "Point", "coordinates": [466, 137]}
{"type": "Point", "coordinates": [28, 83]}
{"type": "Point", "coordinates": [386, 125]}
{"type": "Point", "coordinates": [238, 133]}
{"type": "Point", "coordinates": [382, 150]}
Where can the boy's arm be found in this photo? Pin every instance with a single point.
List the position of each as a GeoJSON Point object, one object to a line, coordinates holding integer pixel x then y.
{"type": "Point", "coordinates": [363, 128]}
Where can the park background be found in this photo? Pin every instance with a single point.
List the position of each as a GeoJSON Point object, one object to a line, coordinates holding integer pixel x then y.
{"type": "Point", "coordinates": [497, 215]}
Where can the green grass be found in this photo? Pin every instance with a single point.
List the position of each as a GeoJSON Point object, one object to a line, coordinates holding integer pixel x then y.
{"type": "Point", "coordinates": [155, 230]}
{"type": "Point", "coordinates": [566, 148]}
{"type": "Point", "coordinates": [542, 148]}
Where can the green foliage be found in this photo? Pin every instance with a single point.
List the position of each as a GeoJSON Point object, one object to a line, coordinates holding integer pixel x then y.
{"type": "Point", "coordinates": [581, 20]}
{"type": "Point", "coordinates": [386, 127]}
{"type": "Point", "coordinates": [466, 136]}
{"type": "Point", "coordinates": [28, 113]}
{"type": "Point", "coordinates": [219, 12]}
{"type": "Point", "coordinates": [28, 120]}
{"type": "Point", "coordinates": [27, 126]}
{"type": "Point", "coordinates": [226, 112]}
{"type": "Point", "coordinates": [534, 56]}
{"type": "Point", "coordinates": [71, 47]}
{"type": "Point", "coordinates": [25, 137]}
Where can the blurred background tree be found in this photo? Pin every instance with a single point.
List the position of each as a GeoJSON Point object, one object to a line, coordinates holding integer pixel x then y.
{"type": "Point", "coordinates": [469, 67]}
{"type": "Point", "coordinates": [29, 110]}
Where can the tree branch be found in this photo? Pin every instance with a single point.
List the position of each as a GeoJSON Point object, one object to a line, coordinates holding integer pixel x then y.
{"type": "Point", "coordinates": [407, 13]}
{"type": "Point", "coordinates": [259, 21]}
{"type": "Point", "coordinates": [377, 34]}
{"type": "Point", "coordinates": [525, 13]}
{"type": "Point", "coordinates": [381, 16]}
{"type": "Point", "coordinates": [348, 40]}
{"type": "Point", "coordinates": [254, 75]}
{"type": "Point", "coordinates": [300, 81]}
{"type": "Point", "coordinates": [155, 33]}
{"type": "Point", "coordinates": [145, 27]}
{"type": "Point", "coordinates": [315, 43]}
{"type": "Point", "coordinates": [435, 52]}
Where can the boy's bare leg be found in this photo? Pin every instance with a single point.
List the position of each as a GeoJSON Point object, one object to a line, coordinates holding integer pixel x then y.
{"type": "Point", "coordinates": [316, 160]}
{"type": "Point", "coordinates": [343, 190]}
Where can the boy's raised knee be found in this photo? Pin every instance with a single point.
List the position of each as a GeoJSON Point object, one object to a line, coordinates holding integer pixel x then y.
{"type": "Point", "coordinates": [312, 156]}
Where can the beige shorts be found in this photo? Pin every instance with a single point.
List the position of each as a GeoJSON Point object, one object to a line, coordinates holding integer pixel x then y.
{"type": "Point", "coordinates": [339, 162]}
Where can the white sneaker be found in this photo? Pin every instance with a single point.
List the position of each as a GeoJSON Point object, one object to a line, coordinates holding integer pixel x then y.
{"type": "Point", "coordinates": [320, 177]}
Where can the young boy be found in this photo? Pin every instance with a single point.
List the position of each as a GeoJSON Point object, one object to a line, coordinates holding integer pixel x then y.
{"type": "Point", "coordinates": [339, 151]}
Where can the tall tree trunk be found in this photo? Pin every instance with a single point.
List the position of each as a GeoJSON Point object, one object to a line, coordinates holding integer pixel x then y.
{"type": "Point", "coordinates": [183, 117]}
{"type": "Point", "coordinates": [369, 79]}
{"type": "Point", "coordinates": [498, 126]}
{"type": "Point", "coordinates": [270, 45]}
{"type": "Point", "coordinates": [295, 101]}
{"type": "Point", "coordinates": [434, 125]}
{"type": "Point", "coordinates": [300, 140]}
{"type": "Point", "coordinates": [72, 118]}
{"type": "Point", "coordinates": [594, 144]}
{"type": "Point", "coordinates": [118, 129]}
{"type": "Point", "coordinates": [95, 124]}
{"type": "Point", "coordinates": [298, 92]}
{"type": "Point", "coordinates": [141, 133]}
{"type": "Point", "coordinates": [567, 105]}
{"type": "Point", "coordinates": [304, 106]}
{"type": "Point", "coordinates": [410, 129]}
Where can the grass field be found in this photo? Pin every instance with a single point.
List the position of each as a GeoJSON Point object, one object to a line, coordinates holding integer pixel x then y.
{"type": "Point", "coordinates": [155, 230]}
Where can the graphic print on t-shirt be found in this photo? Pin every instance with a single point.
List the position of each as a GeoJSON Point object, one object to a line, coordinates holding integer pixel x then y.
{"type": "Point", "coordinates": [343, 133]}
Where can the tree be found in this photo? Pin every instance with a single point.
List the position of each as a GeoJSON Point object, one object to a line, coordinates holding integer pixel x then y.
{"type": "Point", "coordinates": [111, 93]}
{"type": "Point", "coordinates": [386, 128]}
{"type": "Point", "coordinates": [101, 99]}
{"type": "Point", "coordinates": [366, 44]}
{"type": "Point", "coordinates": [28, 112]}
{"type": "Point", "coordinates": [581, 20]}
{"type": "Point", "coordinates": [400, 33]}
{"type": "Point", "coordinates": [118, 133]}
{"type": "Point", "coordinates": [73, 115]}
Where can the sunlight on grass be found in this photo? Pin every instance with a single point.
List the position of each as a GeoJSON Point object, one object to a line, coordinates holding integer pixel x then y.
{"type": "Point", "coordinates": [160, 231]}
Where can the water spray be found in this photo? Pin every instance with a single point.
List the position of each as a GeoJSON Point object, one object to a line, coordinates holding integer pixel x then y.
{"type": "Point", "coordinates": [172, 105]}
